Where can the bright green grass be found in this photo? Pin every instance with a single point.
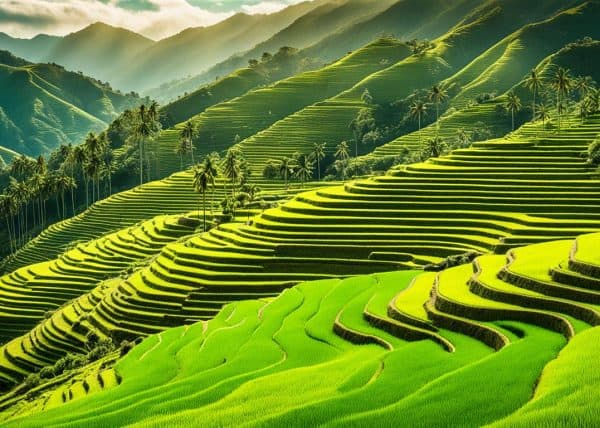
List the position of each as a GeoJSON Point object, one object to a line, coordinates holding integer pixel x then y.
{"type": "Point", "coordinates": [278, 362]}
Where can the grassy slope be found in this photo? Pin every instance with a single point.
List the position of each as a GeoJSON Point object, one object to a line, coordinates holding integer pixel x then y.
{"type": "Point", "coordinates": [404, 19]}
{"type": "Point", "coordinates": [502, 68]}
{"type": "Point", "coordinates": [305, 31]}
{"type": "Point", "coordinates": [54, 107]}
{"type": "Point", "coordinates": [451, 53]}
{"type": "Point", "coordinates": [260, 108]}
{"type": "Point", "coordinates": [196, 49]}
{"type": "Point", "coordinates": [298, 360]}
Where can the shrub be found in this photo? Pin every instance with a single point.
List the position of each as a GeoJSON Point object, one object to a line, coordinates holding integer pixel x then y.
{"type": "Point", "coordinates": [593, 153]}
{"type": "Point", "coordinates": [271, 171]}
{"type": "Point", "coordinates": [47, 372]}
{"type": "Point", "coordinates": [31, 381]}
{"type": "Point", "coordinates": [125, 347]}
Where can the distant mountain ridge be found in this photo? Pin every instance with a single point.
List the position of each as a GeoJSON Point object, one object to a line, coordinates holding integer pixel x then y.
{"type": "Point", "coordinates": [54, 106]}
{"type": "Point", "coordinates": [141, 63]}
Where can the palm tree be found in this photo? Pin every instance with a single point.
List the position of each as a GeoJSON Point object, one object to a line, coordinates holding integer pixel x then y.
{"type": "Point", "coordinates": [593, 100]}
{"type": "Point", "coordinates": [202, 180]}
{"type": "Point", "coordinates": [187, 135]}
{"type": "Point", "coordinates": [562, 83]}
{"type": "Point", "coordinates": [583, 85]}
{"type": "Point", "coordinates": [434, 147]}
{"type": "Point", "coordinates": [318, 154]}
{"type": "Point", "coordinates": [80, 158]}
{"type": "Point", "coordinates": [286, 168]}
{"type": "Point", "coordinates": [418, 109]}
{"type": "Point", "coordinates": [342, 151]}
{"type": "Point", "coordinates": [231, 167]}
{"type": "Point", "coordinates": [534, 83]}
{"type": "Point", "coordinates": [7, 210]}
{"type": "Point", "coordinates": [542, 114]}
{"type": "Point", "coordinates": [304, 169]}
{"type": "Point", "coordinates": [437, 95]}
{"type": "Point", "coordinates": [463, 138]}
{"type": "Point", "coordinates": [513, 104]}
{"type": "Point", "coordinates": [142, 132]}
{"type": "Point", "coordinates": [63, 183]}
{"type": "Point", "coordinates": [211, 165]}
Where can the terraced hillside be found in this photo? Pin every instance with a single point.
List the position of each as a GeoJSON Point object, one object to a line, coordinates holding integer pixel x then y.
{"type": "Point", "coordinates": [260, 108]}
{"type": "Point", "coordinates": [82, 276]}
{"type": "Point", "coordinates": [451, 53]}
{"type": "Point", "coordinates": [497, 195]}
{"type": "Point", "coordinates": [172, 195]}
{"type": "Point", "coordinates": [363, 350]}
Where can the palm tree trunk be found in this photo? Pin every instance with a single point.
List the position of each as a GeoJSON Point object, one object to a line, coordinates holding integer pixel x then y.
{"type": "Point", "coordinates": [9, 234]}
{"type": "Point", "coordinates": [141, 163]}
{"type": "Point", "coordinates": [512, 112]}
{"type": "Point", "coordinates": [319, 168]}
{"type": "Point", "coordinates": [533, 106]}
{"type": "Point", "coordinates": [204, 210]}
{"type": "Point", "coordinates": [57, 207]}
{"type": "Point", "coordinates": [87, 192]}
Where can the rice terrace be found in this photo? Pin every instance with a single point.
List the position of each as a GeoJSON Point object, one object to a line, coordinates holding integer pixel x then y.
{"type": "Point", "coordinates": [299, 213]}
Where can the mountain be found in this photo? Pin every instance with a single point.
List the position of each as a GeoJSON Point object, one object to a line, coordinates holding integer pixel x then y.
{"type": "Point", "coordinates": [305, 31]}
{"type": "Point", "coordinates": [54, 106]}
{"type": "Point", "coordinates": [98, 50]}
{"type": "Point", "coordinates": [35, 49]}
{"type": "Point", "coordinates": [132, 62]}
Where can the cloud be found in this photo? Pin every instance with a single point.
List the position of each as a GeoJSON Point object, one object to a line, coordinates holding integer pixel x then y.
{"type": "Point", "coordinates": [153, 18]}
{"type": "Point", "coordinates": [265, 7]}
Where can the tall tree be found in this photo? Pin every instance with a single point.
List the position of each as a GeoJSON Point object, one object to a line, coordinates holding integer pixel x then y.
{"type": "Point", "coordinates": [231, 167]}
{"type": "Point", "coordinates": [512, 104]}
{"type": "Point", "coordinates": [202, 180]}
{"type": "Point", "coordinates": [211, 165]}
{"type": "Point", "coordinates": [437, 95]}
{"type": "Point", "coordinates": [286, 168]}
{"type": "Point", "coordinates": [187, 135]}
{"type": "Point", "coordinates": [542, 114]}
{"type": "Point", "coordinates": [583, 85]}
{"type": "Point", "coordinates": [534, 83]}
{"type": "Point", "coordinates": [142, 133]}
{"type": "Point", "coordinates": [318, 154]}
{"type": "Point", "coordinates": [304, 169]}
{"type": "Point", "coordinates": [562, 83]}
{"type": "Point", "coordinates": [417, 110]}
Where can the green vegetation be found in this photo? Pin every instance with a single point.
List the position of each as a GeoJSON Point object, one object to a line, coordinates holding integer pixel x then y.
{"type": "Point", "coordinates": [405, 236]}
{"type": "Point", "coordinates": [363, 350]}
{"type": "Point", "coordinates": [54, 106]}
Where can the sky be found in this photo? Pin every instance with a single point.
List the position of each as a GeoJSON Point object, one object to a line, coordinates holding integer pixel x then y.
{"type": "Point", "coordinates": [155, 19]}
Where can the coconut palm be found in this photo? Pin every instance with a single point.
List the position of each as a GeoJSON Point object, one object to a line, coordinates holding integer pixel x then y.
{"type": "Point", "coordinates": [437, 95]}
{"type": "Point", "coordinates": [318, 154]}
{"type": "Point", "coordinates": [593, 100]}
{"type": "Point", "coordinates": [286, 168]}
{"type": "Point", "coordinates": [512, 104]}
{"type": "Point", "coordinates": [7, 210]}
{"type": "Point", "coordinates": [187, 135]}
{"type": "Point", "coordinates": [583, 85]}
{"type": "Point", "coordinates": [63, 183]}
{"type": "Point", "coordinates": [201, 183]}
{"type": "Point", "coordinates": [142, 133]}
{"type": "Point", "coordinates": [435, 147]}
{"type": "Point", "coordinates": [562, 83]}
{"type": "Point", "coordinates": [542, 114]}
{"type": "Point", "coordinates": [463, 138]}
{"type": "Point", "coordinates": [231, 167]}
{"type": "Point", "coordinates": [304, 169]}
{"type": "Point", "coordinates": [211, 165]}
{"type": "Point", "coordinates": [534, 83]}
{"type": "Point", "coordinates": [418, 109]}
{"type": "Point", "coordinates": [342, 151]}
